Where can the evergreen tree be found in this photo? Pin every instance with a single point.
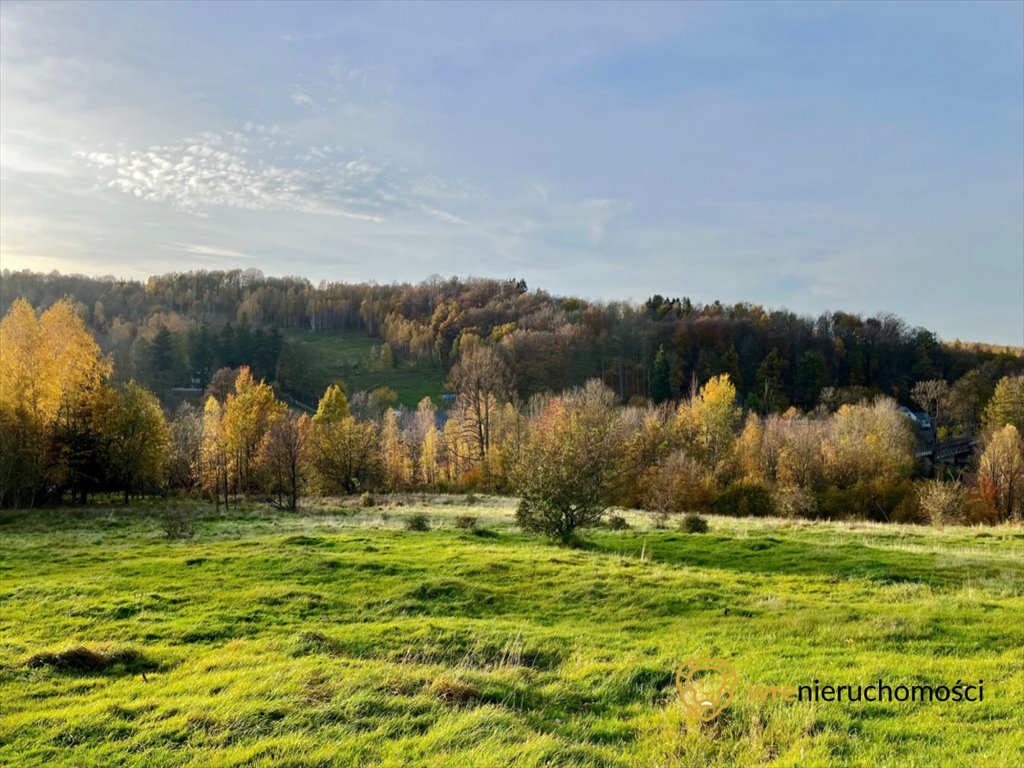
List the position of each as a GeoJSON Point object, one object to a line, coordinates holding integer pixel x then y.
{"type": "Point", "coordinates": [661, 377]}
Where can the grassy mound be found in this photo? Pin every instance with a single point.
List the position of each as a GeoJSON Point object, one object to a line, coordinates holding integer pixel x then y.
{"type": "Point", "coordinates": [83, 660]}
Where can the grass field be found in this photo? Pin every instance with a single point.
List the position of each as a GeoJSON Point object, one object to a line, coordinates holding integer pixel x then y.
{"type": "Point", "coordinates": [336, 637]}
{"type": "Point", "coordinates": [344, 355]}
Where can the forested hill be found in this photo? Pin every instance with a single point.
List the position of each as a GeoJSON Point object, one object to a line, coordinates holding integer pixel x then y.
{"type": "Point", "coordinates": [175, 330]}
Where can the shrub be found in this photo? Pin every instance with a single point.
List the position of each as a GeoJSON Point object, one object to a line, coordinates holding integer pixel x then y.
{"type": "Point", "coordinates": [417, 522]}
{"type": "Point", "coordinates": [367, 500]}
{"type": "Point", "coordinates": [471, 499]}
{"type": "Point", "coordinates": [616, 523]}
{"type": "Point", "coordinates": [569, 457]}
{"type": "Point", "coordinates": [679, 484]}
{"type": "Point", "coordinates": [795, 502]}
{"type": "Point", "coordinates": [744, 500]}
{"type": "Point", "coordinates": [465, 522]}
{"type": "Point", "coordinates": [694, 523]}
{"type": "Point", "coordinates": [880, 500]}
{"type": "Point", "coordinates": [178, 523]}
{"type": "Point", "coordinates": [943, 503]}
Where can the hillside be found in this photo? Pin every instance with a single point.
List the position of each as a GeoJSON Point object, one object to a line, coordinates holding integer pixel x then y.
{"type": "Point", "coordinates": [176, 330]}
{"type": "Point", "coordinates": [354, 358]}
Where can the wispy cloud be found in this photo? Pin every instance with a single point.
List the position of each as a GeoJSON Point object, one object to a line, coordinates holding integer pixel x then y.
{"type": "Point", "coordinates": [256, 170]}
{"type": "Point", "coordinates": [211, 251]}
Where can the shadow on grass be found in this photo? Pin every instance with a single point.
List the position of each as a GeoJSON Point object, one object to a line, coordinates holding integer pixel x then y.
{"type": "Point", "coordinates": [776, 553]}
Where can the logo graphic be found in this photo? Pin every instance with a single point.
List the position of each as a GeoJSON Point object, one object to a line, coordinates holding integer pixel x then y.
{"type": "Point", "coordinates": [706, 687]}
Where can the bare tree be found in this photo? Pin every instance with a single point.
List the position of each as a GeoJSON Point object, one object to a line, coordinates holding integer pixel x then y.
{"type": "Point", "coordinates": [184, 463]}
{"type": "Point", "coordinates": [933, 396]}
{"type": "Point", "coordinates": [481, 382]}
{"type": "Point", "coordinates": [283, 455]}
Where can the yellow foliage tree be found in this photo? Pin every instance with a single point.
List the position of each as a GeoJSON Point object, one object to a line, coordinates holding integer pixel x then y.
{"type": "Point", "coordinates": [47, 360]}
{"type": "Point", "coordinates": [708, 422]}
{"type": "Point", "coordinates": [1001, 473]}
{"type": "Point", "coordinates": [249, 414]}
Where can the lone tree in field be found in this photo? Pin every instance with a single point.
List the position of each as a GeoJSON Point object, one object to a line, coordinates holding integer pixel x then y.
{"type": "Point", "coordinates": [568, 462]}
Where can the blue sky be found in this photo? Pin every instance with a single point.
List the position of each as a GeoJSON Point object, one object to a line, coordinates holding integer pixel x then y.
{"type": "Point", "coordinates": [867, 157]}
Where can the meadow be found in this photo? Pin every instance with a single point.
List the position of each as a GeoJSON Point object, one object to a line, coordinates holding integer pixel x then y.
{"type": "Point", "coordinates": [345, 356]}
{"type": "Point", "coordinates": [336, 637]}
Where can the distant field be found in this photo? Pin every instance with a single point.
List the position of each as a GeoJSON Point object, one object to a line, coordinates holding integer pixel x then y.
{"type": "Point", "coordinates": [344, 354]}
{"type": "Point", "coordinates": [335, 637]}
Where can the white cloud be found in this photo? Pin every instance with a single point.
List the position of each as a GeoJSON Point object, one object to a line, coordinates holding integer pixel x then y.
{"type": "Point", "coordinates": [301, 97]}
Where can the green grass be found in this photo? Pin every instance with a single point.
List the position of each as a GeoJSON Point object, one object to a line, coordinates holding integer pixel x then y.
{"type": "Point", "coordinates": [335, 637]}
{"type": "Point", "coordinates": [344, 355]}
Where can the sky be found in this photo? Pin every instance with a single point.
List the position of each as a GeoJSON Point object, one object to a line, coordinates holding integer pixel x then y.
{"type": "Point", "coordinates": [814, 156]}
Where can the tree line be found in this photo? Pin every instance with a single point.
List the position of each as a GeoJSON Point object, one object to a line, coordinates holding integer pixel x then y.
{"type": "Point", "coordinates": [177, 329]}
{"type": "Point", "coordinates": [68, 430]}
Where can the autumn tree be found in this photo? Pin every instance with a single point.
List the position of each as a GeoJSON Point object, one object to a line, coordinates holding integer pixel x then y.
{"type": "Point", "coordinates": [214, 453]}
{"type": "Point", "coordinates": [344, 453]}
{"type": "Point", "coordinates": [136, 439]}
{"type": "Point", "coordinates": [967, 399]}
{"type": "Point", "coordinates": [1006, 405]}
{"type": "Point", "coordinates": [52, 381]}
{"type": "Point", "coordinates": [185, 453]}
{"type": "Point", "coordinates": [679, 484]}
{"type": "Point", "coordinates": [47, 361]}
{"type": "Point", "coordinates": [249, 414]}
{"type": "Point", "coordinates": [424, 442]}
{"type": "Point", "coordinates": [222, 384]}
{"type": "Point", "coordinates": [1001, 473]}
{"type": "Point", "coordinates": [869, 442]}
{"type": "Point", "coordinates": [481, 382]}
{"type": "Point", "coordinates": [708, 423]}
{"type": "Point", "coordinates": [283, 459]}
{"type": "Point", "coordinates": [394, 452]}
{"type": "Point", "coordinates": [568, 462]}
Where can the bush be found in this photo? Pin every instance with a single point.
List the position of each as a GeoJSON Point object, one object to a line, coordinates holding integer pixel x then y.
{"type": "Point", "coordinates": [744, 500]}
{"type": "Point", "coordinates": [795, 502]}
{"type": "Point", "coordinates": [367, 500]}
{"type": "Point", "coordinates": [417, 522]}
{"type": "Point", "coordinates": [616, 523]}
{"type": "Point", "coordinates": [178, 523]}
{"type": "Point", "coordinates": [880, 500]}
{"type": "Point", "coordinates": [943, 503]}
{"type": "Point", "coordinates": [679, 484]}
{"type": "Point", "coordinates": [465, 522]}
{"type": "Point", "coordinates": [694, 523]}
{"type": "Point", "coordinates": [471, 499]}
{"type": "Point", "coordinates": [569, 457]}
